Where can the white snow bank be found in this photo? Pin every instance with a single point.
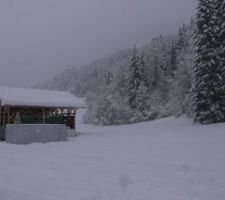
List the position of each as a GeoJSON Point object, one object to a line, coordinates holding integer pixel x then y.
{"type": "Point", "coordinates": [168, 159]}
{"type": "Point", "coordinates": [36, 97]}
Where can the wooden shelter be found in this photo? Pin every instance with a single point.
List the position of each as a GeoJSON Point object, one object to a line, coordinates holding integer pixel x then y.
{"type": "Point", "coordinates": [34, 106]}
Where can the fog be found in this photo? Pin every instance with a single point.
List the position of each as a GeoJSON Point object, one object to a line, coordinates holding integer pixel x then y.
{"type": "Point", "coordinates": [40, 38]}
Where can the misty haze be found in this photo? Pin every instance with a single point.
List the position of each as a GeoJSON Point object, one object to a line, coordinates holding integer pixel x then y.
{"type": "Point", "coordinates": [40, 38]}
{"type": "Point", "coordinates": [112, 99]}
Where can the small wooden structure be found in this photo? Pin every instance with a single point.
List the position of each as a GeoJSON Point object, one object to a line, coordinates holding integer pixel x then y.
{"type": "Point", "coordinates": [35, 106]}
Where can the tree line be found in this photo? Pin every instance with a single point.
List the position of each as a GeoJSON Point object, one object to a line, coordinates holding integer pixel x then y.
{"type": "Point", "coordinates": [171, 75]}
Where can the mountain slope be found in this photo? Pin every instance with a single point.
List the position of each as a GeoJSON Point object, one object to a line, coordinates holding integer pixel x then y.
{"type": "Point", "coordinates": [168, 62]}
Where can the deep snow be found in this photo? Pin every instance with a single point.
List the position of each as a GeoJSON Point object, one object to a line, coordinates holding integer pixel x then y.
{"type": "Point", "coordinates": [167, 159]}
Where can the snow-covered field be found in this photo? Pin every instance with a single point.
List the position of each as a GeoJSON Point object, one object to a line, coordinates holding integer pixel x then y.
{"type": "Point", "coordinates": [168, 159]}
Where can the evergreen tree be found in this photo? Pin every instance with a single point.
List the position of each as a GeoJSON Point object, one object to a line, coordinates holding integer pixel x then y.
{"type": "Point", "coordinates": [133, 79]}
{"type": "Point", "coordinates": [222, 36]}
{"type": "Point", "coordinates": [173, 59]}
{"type": "Point", "coordinates": [122, 81]}
{"type": "Point", "coordinates": [220, 7]}
{"type": "Point", "coordinates": [137, 88]}
{"type": "Point", "coordinates": [207, 94]}
{"type": "Point", "coordinates": [145, 78]}
{"type": "Point", "coordinates": [155, 70]}
{"type": "Point", "coordinates": [182, 38]}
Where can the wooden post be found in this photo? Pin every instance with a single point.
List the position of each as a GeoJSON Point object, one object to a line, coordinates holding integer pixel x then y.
{"type": "Point", "coordinates": [62, 111]}
{"type": "Point", "coordinates": [75, 112]}
{"type": "Point", "coordinates": [0, 112]}
{"type": "Point", "coordinates": [8, 116]}
{"type": "Point", "coordinates": [3, 120]}
{"type": "Point", "coordinates": [44, 119]}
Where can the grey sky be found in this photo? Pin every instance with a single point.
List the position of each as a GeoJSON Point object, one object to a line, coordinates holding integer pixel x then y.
{"type": "Point", "coordinates": [40, 38]}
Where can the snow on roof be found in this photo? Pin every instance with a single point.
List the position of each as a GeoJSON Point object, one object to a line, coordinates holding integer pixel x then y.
{"type": "Point", "coordinates": [36, 97]}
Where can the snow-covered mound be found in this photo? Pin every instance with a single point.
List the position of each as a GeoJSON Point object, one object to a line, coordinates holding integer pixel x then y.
{"type": "Point", "coordinates": [168, 159]}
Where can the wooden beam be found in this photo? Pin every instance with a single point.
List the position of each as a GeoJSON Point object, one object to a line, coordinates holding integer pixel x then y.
{"type": "Point", "coordinates": [53, 107]}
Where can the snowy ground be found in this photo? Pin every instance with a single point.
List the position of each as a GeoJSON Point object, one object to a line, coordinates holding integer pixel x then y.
{"type": "Point", "coordinates": [168, 159]}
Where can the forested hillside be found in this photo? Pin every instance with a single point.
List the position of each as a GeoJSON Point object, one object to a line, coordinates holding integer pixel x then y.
{"type": "Point", "coordinates": [136, 84]}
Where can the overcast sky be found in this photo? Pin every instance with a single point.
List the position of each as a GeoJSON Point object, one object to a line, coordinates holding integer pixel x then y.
{"type": "Point", "coordinates": [40, 38]}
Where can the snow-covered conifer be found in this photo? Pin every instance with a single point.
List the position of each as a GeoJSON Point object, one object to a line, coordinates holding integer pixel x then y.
{"type": "Point", "coordinates": [137, 85]}
{"type": "Point", "coordinates": [220, 7]}
{"type": "Point", "coordinates": [207, 94]}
